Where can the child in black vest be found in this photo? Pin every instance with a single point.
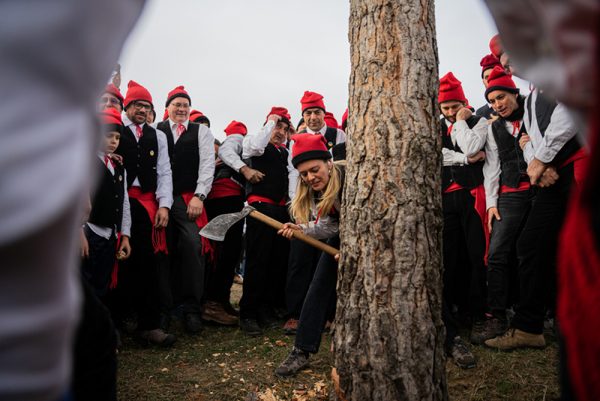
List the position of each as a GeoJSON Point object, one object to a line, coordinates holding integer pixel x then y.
{"type": "Point", "coordinates": [105, 236]}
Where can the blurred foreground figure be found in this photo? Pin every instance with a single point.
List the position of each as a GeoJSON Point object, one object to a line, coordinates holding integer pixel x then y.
{"type": "Point", "coordinates": [56, 58]}
{"type": "Point", "coordinates": [555, 45]}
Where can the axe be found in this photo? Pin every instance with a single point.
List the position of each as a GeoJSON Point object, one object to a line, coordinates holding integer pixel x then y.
{"type": "Point", "coordinates": [217, 228]}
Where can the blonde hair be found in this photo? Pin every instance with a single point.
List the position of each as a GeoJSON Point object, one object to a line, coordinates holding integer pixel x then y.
{"type": "Point", "coordinates": [300, 209]}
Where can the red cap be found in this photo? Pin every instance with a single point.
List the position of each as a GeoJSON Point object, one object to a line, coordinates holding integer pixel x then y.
{"type": "Point", "coordinates": [312, 99]}
{"type": "Point", "coordinates": [330, 120]}
{"type": "Point", "coordinates": [236, 127]}
{"type": "Point", "coordinates": [111, 116]}
{"type": "Point", "coordinates": [282, 112]}
{"type": "Point", "coordinates": [135, 92]}
{"type": "Point", "coordinates": [194, 114]}
{"type": "Point", "coordinates": [500, 80]}
{"type": "Point", "coordinates": [113, 90]}
{"type": "Point", "coordinates": [487, 62]}
{"type": "Point", "coordinates": [451, 89]}
{"type": "Point", "coordinates": [496, 46]}
{"type": "Point", "coordinates": [345, 120]}
{"type": "Point", "coordinates": [309, 147]}
{"type": "Point", "coordinates": [177, 92]}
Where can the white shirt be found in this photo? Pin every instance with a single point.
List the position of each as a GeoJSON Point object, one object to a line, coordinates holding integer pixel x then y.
{"type": "Point", "coordinates": [452, 157]}
{"type": "Point", "coordinates": [230, 151]}
{"type": "Point", "coordinates": [206, 151]}
{"type": "Point", "coordinates": [560, 130]}
{"type": "Point", "coordinates": [325, 227]}
{"type": "Point", "coordinates": [106, 232]}
{"type": "Point", "coordinates": [292, 172]}
{"type": "Point", "coordinates": [164, 178]}
{"type": "Point", "coordinates": [470, 140]}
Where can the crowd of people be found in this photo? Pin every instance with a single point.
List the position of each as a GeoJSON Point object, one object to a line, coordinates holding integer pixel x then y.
{"type": "Point", "coordinates": [508, 170]}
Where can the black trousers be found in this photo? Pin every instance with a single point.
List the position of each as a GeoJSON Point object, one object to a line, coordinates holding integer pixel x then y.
{"type": "Point", "coordinates": [94, 355]}
{"type": "Point", "coordinates": [138, 287]}
{"type": "Point", "coordinates": [186, 258]}
{"type": "Point", "coordinates": [536, 250]}
{"type": "Point", "coordinates": [266, 264]}
{"type": "Point", "coordinates": [317, 305]}
{"type": "Point", "coordinates": [302, 264]}
{"type": "Point", "coordinates": [463, 225]}
{"type": "Point", "coordinates": [229, 251]}
{"type": "Point", "coordinates": [97, 268]}
{"type": "Point", "coordinates": [513, 208]}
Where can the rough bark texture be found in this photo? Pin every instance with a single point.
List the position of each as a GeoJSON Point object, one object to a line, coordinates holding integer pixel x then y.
{"type": "Point", "coordinates": [389, 333]}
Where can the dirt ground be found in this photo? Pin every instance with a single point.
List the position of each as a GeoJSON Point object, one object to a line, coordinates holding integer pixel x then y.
{"type": "Point", "coordinates": [222, 364]}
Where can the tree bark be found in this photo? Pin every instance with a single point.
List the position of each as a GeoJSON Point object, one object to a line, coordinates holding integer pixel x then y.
{"type": "Point", "coordinates": [389, 332]}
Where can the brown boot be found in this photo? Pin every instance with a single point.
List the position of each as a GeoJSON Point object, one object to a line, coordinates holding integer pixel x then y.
{"type": "Point", "coordinates": [156, 337]}
{"type": "Point", "coordinates": [215, 312]}
{"type": "Point", "coordinates": [515, 338]}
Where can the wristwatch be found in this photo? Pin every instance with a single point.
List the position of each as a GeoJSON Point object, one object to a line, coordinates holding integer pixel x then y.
{"type": "Point", "coordinates": [200, 196]}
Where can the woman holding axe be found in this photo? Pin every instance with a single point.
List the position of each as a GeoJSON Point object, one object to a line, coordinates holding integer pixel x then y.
{"type": "Point", "coordinates": [316, 210]}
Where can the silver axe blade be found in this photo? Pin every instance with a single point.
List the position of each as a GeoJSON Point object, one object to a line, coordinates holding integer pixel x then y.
{"type": "Point", "coordinates": [217, 228]}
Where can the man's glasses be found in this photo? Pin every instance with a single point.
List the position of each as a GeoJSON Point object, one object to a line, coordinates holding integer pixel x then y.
{"type": "Point", "coordinates": [140, 106]}
{"type": "Point", "coordinates": [109, 100]}
{"type": "Point", "coordinates": [181, 105]}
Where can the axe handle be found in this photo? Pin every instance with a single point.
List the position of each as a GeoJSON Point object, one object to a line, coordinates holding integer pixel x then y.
{"type": "Point", "coordinates": [297, 234]}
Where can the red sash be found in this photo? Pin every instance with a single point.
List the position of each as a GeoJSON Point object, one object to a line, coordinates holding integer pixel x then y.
{"type": "Point", "coordinates": [148, 201]}
{"type": "Point", "coordinates": [207, 246]}
{"type": "Point", "coordinates": [479, 194]}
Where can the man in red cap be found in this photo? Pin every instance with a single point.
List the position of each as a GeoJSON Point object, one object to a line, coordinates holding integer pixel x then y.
{"type": "Point", "coordinates": [111, 97]}
{"type": "Point", "coordinates": [303, 257]}
{"type": "Point", "coordinates": [227, 196]}
{"type": "Point", "coordinates": [150, 188]}
{"type": "Point", "coordinates": [192, 156]}
{"type": "Point", "coordinates": [553, 155]}
{"type": "Point", "coordinates": [463, 137]}
{"type": "Point", "coordinates": [266, 252]}
{"type": "Point", "coordinates": [487, 64]}
{"type": "Point", "coordinates": [508, 195]}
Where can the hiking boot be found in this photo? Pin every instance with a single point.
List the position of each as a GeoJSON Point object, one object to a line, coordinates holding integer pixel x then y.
{"type": "Point", "coordinates": [515, 338]}
{"type": "Point", "coordinates": [290, 326]}
{"type": "Point", "coordinates": [215, 312]}
{"type": "Point", "coordinates": [487, 329]}
{"type": "Point", "coordinates": [296, 361]}
{"type": "Point", "coordinates": [460, 353]}
{"type": "Point", "coordinates": [250, 327]}
{"type": "Point", "coordinates": [193, 323]}
{"type": "Point", "coordinates": [156, 337]}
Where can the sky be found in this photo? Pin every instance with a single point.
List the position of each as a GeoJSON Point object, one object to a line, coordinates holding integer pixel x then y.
{"type": "Point", "coordinates": [238, 58]}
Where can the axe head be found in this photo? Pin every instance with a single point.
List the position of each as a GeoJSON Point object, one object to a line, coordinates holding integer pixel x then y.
{"type": "Point", "coordinates": [218, 227]}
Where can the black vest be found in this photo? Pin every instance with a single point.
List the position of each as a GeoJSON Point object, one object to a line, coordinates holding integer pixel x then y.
{"type": "Point", "coordinates": [184, 157]}
{"type": "Point", "coordinates": [468, 176]}
{"type": "Point", "coordinates": [224, 171]}
{"type": "Point", "coordinates": [107, 204]}
{"type": "Point", "coordinates": [512, 163]}
{"type": "Point", "coordinates": [544, 107]}
{"type": "Point", "coordinates": [273, 163]}
{"type": "Point", "coordinates": [330, 136]}
{"type": "Point", "coordinates": [139, 158]}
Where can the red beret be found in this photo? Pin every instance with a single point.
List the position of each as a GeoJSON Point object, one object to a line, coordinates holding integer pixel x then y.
{"type": "Point", "coordinates": [177, 92]}
{"type": "Point", "coordinates": [451, 89]}
{"type": "Point", "coordinates": [487, 62]}
{"type": "Point", "coordinates": [111, 116]}
{"type": "Point", "coordinates": [496, 46]}
{"type": "Point", "coordinates": [135, 92]}
{"type": "Point", "coordinates": [282, 112]}
{"type": "Point", "coordinates": [311, 100]}
{"type": "Point", "coordinates": [113, 90]}
{"type": "Point", "coordinates": [309, 147]}
{"type": "Point", "coordinates": [500, 80]}
{"type": "Point", "coordinates": [194, 114]}
{"type": "Point", "coordinates": [330, 120]}
{"type": "Point", "coordinates": [236, 127]}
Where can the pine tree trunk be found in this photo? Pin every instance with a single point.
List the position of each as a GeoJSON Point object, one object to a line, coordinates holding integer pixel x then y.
{"type": "Point", "coordinates": [389, 333]}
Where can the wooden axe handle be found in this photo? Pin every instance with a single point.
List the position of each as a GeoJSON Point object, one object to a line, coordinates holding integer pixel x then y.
{"type": "Point", "coordinates": [297, 234]}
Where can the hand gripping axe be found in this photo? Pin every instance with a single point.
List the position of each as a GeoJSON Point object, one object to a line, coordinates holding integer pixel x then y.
{"type": "Point", "coordinates": [218, 227]}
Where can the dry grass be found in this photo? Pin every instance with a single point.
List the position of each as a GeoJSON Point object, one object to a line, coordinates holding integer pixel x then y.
{"type": "Point", "coordinates": [222, 364]}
